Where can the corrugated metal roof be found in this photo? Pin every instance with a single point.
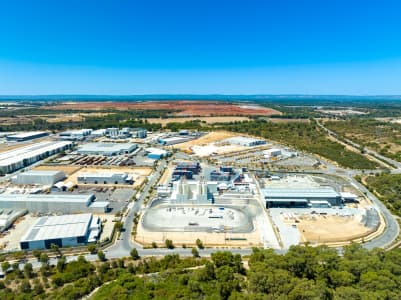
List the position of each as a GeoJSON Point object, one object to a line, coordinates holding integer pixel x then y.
{"type": "Point", "coordinates": [40, 173]}
{"type": "Point", "coordinates": [58, 227]}
{"type": "Point", "coordinates": [47, 197]}
{"type": "Point", "coordinates": [286, 200]}
{"type": "Point", "coordinates": [27, 134]}
{"type": "Point", "coordinates": [19, 154]}
{"type": "Point", "coordinates": [106, 147]}
{"type": "Point", "coordinates": [289, 192]}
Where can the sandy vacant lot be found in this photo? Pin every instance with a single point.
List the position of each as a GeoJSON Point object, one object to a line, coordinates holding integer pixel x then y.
{"type": "Point", "coordinates": [211, 137]}
{"type": "Point", "coordinates": [179, 108]}
{"type": "Point", "coordinates": [209, 144]}
{"type": "Point", "coordinates": [209, 120]}
{"type": "Point", "coordinates": [10, 240]}
{"type": "Point", "coordinates": [68, 170]}
{"type": "Point", "coordinates": [331, 229]}
{"type": "Point", "coordinates": [138, 173]}
{"type": "Point", "coordinates": [108, 225]}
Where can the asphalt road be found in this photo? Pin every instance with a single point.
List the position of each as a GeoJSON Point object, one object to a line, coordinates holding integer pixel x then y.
{"type": "Point", "coordinates": [370, 152]}
{"type": "Point", "coordinates": [124, 244]}
{"type": "Point", "coordinates": [392, 228]}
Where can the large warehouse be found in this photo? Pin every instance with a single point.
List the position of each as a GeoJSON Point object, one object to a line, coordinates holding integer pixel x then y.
{"type": "Point", "coordinates": [15, 159]}
{"type": "Point", "coordinates": [244, 141]}
{"type": "Point", "coordinates": [38, 177]}
{"type": "Point", "coordinates": [26, 136]}
{"type": "Point", "coordinates": [105, 178]}
{"type": "Point", "coordinates": [74, 135]}
{"type": "Point", "coordinates": [55, 203]}
{"type": "Point", "coordinates": [301, 197]}
{"type": "Point", "coordinates": [172, 140]}
{"type": "Point", "coordinates": [63, 231]}
{"type": "Point", "coordinates": [106, 149]}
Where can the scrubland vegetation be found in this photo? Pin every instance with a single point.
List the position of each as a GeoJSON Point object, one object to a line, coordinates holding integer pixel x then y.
{"type": "Point", "coordinates": [304, 272]}
{"type": "Point", "coordinates": [306, 137]}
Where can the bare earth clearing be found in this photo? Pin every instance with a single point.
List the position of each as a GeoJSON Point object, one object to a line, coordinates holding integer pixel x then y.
{"type": "Point", "coordinates": [208, 120]}
{"type": "Point", "coordinates": [329, 229]}
{"type": "Point", "coordinates": [180, 108]}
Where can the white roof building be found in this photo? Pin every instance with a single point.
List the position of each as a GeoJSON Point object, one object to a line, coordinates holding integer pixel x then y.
{"type": "Point", "coordinates": [21, 157]}
{"type": "Point", "coordinates": [107, 149]}
{"type": "Point", "coordinates": [66, 230]}
{"type": "Point", "coordinates": [46, 203]}
{"type": "Point", "coordinates": [244, 141]}
{"type": "Point", "coordinates": [38, 177]}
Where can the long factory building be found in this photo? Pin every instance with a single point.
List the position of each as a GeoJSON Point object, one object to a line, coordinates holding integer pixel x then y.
{"type": "Point", "coordinates": [55, 203]}
{"type": "Point", "coordinates": [27, 136]}
{"type": "Point", "coordinates": [106, 149]}
{"type": "Point", "coordinates": [301, 197]}
{"type": "Point", "coordinates": [15, 159]}
{"type": "Point", "coordinates": [40, 177]}
{"type": "Point", "coordinates": [66, 230]}
{"type": "Point", "coordinates": [105, 178]}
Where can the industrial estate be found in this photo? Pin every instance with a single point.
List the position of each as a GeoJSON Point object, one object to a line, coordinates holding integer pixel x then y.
{"type": "Point", "coordinates": [145, 187]}
{"type": "Point", "coordinates": [71, 188]}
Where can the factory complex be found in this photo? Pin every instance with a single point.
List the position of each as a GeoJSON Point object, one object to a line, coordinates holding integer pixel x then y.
{"type": "Point", "coordinates": [62, 231]}
{"type": "Point", "coordinates": [229, 190]}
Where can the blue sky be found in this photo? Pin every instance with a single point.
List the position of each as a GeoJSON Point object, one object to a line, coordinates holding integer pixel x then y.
{"type": "Point", "coordinates": [200, 47]}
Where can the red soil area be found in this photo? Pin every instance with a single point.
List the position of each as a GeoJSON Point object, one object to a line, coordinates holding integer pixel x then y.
{"type": "Point", "coordinates": [181, 108]}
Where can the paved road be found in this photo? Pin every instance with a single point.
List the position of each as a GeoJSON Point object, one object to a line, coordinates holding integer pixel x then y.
{"type": "Point", "coordinates": [124, 244]}
{"type": "Point", "coordinates": [397, 165]}
{"type": "Point", "coordinates": [392, 228]}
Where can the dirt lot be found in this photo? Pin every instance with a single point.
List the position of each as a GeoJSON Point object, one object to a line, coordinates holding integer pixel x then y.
{"type": "Point", "coordinates": [209, 120]}
{"type": "Point", "coordinates": [207, 145]}
{"type": "Point", "coordinates": [211, 137]}
{"type": "Point", "coordinates": [68, 170]}
{"type": "Point", "coordinates": [180, 108]}
{"type": "Point", "coordinates": [139, 174]}
{"type": "Point", "coordinates": [331, 229]}
{"type": "Point", "coordinates": [108, 226]}
{"type": "Point", "coordinates": [10, 240]}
